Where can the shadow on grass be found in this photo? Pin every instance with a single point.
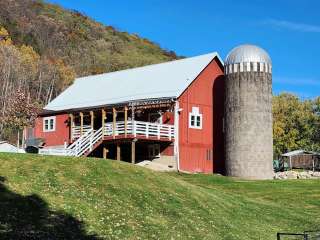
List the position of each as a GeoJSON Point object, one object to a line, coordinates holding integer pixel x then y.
{"type": "Point", "coordinates": [28, 217]}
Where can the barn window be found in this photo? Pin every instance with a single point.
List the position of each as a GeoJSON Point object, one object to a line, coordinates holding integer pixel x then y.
{"type": "Point", "coordinates": [49, 124]}
{"type": "Point", "coordinates": [195, 118]}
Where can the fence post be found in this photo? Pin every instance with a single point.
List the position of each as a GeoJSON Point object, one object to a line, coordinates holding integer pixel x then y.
{"type": "Point", "coordinates": [278, 236]}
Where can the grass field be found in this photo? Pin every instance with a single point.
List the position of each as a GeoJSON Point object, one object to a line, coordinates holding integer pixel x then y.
{"type": "Point", "coordinates": [78, 198]}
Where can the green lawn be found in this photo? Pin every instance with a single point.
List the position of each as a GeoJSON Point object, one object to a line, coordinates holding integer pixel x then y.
{"type": "Point", "coordinates": [78, 198]}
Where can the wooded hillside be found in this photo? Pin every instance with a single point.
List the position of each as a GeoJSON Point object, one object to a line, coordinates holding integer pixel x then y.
{"type": "Point", "coordinates": [44, 47]}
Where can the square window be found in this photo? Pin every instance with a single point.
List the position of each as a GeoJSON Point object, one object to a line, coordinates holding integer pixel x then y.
{"type": "Point", "coordinates": [49, 124]}
{"type": "Point", "coordinates": [195, 118]}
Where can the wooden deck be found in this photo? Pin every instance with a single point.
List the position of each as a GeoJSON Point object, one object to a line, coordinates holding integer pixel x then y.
{"type": "Point", "coordinates": [87, 139]}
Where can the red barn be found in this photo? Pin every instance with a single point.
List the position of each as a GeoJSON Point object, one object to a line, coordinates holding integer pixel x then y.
{"type": "Point", "coordinates": [172, 110]}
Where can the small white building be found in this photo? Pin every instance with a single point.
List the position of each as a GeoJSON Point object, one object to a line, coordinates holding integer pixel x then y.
{"type": "Point", "coordinates": [7, 147]}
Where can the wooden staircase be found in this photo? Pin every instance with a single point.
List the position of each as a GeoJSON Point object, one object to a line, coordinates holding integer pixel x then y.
{"type": "Point", "coordinates": [87, 153]}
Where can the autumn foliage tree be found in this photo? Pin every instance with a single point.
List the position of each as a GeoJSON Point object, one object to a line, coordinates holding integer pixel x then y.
{"type": "Point", "coordinates": [21, 112]}
{"type": "Point", "coordinates": [296, 124]}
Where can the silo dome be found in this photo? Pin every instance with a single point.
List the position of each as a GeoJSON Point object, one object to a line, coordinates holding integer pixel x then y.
{"type": "Point", "coordinates": [247, 53]}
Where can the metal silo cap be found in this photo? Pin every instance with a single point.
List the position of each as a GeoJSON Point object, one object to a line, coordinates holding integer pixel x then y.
{"type": "Point", "coordinates": [248, 53]}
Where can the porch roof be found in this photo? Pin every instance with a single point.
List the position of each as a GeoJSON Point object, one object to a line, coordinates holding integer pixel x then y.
{"type": "Point", "coordinates": [299, 152]}
{"type": "Point", "coordinates": [164, 80]}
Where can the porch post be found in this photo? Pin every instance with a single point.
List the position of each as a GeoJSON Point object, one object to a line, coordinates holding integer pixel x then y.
{"type": "Point", "coordinates": [290, 162]}
{"type": "Point", "coordinates": [105, 153]}
{"type": "Point", "coordinates": [81, 123]}
{"type": "Point", "coordinates": [92, 119]}
{"type": "Point", "coordinates": [158, 129]}
{"type": "Point", "coordinates": [133, 151]}
{"type": "Point", "coordinates": [118, 152]}
{"type": "Point", "coordinates": [71, 126]}
{"type": "Point", "coordinates": [133, 121]}
{"type": "Point", "coordinates": [103, 113]}
{"type": "Point", "coordinates": [114, 111]}
{"type": "Point", "coordinates": [313, 165]}
{"type": "Point", "coordinates": [125, 121]}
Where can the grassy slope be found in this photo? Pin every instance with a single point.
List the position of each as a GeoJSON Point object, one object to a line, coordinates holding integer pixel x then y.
{"type": "Point", "coordinates": [118, 201]}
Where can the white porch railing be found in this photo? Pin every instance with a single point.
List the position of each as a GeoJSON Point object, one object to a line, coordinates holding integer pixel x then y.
{"type": "Point", "coordinates": [85, 143]}
{"type": "Point", "coordinates": [76, 131]}
{"type": "Point", "coordinates": [139, 128]}
{"type": "Point", "coordinates": [56, 151]}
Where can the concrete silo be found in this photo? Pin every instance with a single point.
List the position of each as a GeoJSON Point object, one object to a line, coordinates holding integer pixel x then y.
{"type": "Point", "coordinates": [248, 113]}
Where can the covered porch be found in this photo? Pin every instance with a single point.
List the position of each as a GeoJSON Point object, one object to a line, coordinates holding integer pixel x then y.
{"type": "Point", "coordinates": [128, 129]}
{"type": "Point", "coordinates": [110, 131]}
{"type": "Point", "coordinates": [138, 120]}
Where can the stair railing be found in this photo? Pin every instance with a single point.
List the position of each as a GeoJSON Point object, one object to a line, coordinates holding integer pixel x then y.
{"type": "Point", "coordinates": [85, 143]}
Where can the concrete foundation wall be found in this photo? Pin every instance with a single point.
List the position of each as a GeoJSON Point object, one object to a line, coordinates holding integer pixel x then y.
{"type": "Point", "coordinates": [248, 125]}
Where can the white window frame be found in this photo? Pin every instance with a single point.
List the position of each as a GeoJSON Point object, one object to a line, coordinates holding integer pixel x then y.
{"type": "Point", "coordinates": [49, 119]}
{"type": "Point", "coordinates": [195, 114]}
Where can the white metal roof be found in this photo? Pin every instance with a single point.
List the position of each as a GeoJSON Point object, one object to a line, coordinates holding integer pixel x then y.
{"type": "Point", "coordinates": [164, 80]}
{"type": "Point", "coordinates": [298, 152]}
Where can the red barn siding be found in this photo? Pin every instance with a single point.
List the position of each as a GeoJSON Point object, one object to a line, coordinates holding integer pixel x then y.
{"type": "Point", "coordinates": [194, 144]}
{"type": "Point", "coordinates": [57, 137]}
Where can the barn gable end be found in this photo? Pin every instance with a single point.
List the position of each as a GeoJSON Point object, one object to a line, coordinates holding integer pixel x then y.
{"type": "Point", "coordinates": [201, 148]}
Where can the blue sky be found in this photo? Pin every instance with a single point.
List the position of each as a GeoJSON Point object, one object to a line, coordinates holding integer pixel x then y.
{"type": "Point", "coordinates": [288, 30]}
